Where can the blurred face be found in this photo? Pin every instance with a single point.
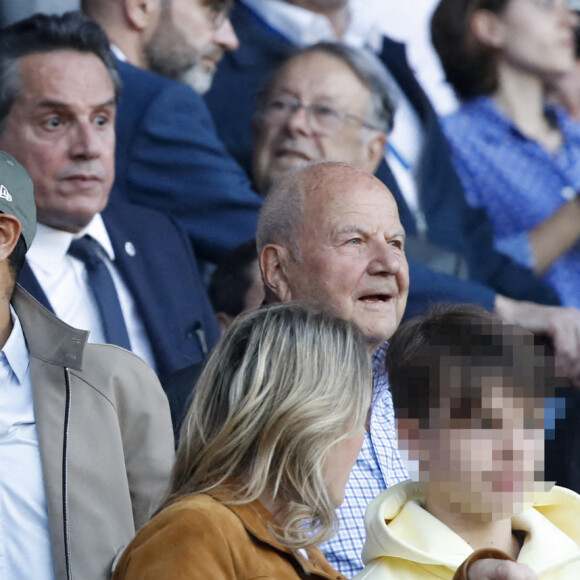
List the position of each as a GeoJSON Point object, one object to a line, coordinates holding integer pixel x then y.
{"type": "Point", "coordinates": [286, 141]}
{"type": "Point", "coordinates": [485, 470]}
{"type": "Point", "coordinates": [340, 462]}
{"type": "Point", "coordinates": [62, 130]}
{"type": "Point", "coordinates": [189, 42]}
{"type": "Point", "coordinates": [536, 36]}
{"type": "Point", "coordinates": [352, 245]}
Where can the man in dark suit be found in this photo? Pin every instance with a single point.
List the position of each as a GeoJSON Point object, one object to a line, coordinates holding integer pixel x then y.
{"type": "Point", "coordinates": [125, 273]}
{"type": "Point", "coordinates": [169, 156]}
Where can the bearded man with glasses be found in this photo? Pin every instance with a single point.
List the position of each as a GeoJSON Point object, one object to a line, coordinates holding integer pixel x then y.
{"type": "Point", "coordinates": [168, 154]}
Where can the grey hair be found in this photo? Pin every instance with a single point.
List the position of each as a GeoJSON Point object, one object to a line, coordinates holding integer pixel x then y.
{"type": "Point", "coordinates": [285, 384]}
{"type": "Point", "coordinates": [10, 87]}
{"type": "Point", "coordinates": [369, 70]}
{"type": "Point", "coordinates": [280, 219]}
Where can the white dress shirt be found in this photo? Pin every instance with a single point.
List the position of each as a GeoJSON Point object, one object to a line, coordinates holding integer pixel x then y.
{"type": "Point", "coordinates": [303, 28]}
{"type": "Point", "coordinates": [65, 282]}
{"type": "Point", "coordinates": [24, 532]}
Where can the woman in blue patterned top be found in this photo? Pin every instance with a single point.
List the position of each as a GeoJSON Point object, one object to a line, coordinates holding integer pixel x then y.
{"type": "Point", "coordinates": [517, 156]}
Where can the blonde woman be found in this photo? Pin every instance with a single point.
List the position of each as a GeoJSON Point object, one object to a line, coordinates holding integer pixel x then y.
{"type": "Point", "coordinates": [266, 449]}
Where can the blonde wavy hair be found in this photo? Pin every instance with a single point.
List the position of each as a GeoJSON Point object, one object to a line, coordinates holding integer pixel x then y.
{"type": "Point", "coordinates": [276, 395]}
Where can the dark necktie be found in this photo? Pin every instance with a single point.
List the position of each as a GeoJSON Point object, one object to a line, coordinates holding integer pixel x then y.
{"type": "Point", "coordinates": [86, 249]}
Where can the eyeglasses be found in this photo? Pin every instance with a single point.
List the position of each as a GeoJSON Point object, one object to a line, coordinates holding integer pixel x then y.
{"type": "Point", "coordinates": [320, 118]}
{"type": "Point", "coordinates": [552, 4]}
{"type": "Point", "coordinates": [216, 15]}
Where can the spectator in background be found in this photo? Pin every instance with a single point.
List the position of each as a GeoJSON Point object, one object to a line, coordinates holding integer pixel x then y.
{"type": "Point", "coordinates": [168, 154]}
{"type": "Point", "coordinates": [518, 158]}
{"type": "Point", "coordinates": [236, 284]}
{"type": "Point", "coordinates": [125, 273]}
{"type": "Point", "coordinates": [469, 393]}
{"type": "Point", "coordinates": [275, 426]}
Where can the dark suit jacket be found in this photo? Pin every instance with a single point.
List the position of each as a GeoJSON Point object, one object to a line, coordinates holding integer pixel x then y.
{"type": "Point", "coordinates": [169, 157]}
{"type": "Point", "coordinates": [452, 224]}
{"type": "Point", "coordinates": [179, 387]}
{"type": "Point", "coordinates": [162, 276]}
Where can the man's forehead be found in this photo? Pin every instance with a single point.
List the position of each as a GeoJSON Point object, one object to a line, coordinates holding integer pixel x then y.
{"type": "Point", "coordinates": [314, 70]}
{"type": "Point", "coordinates": [346, 189]}
{"type": "Point", "coordinates": [48, 78]}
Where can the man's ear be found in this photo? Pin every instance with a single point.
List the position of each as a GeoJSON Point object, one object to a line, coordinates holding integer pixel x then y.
{"type": "Point", "coordinates": [487, 27]}
{"type": "Point", "coordinates": [10, 230]}
{"type": "Point", "coordinates": [273, 265]}
{"type": "Point", "coordinates": [142, 13]}
{"type": "Point", "coordinates": [374, 151]}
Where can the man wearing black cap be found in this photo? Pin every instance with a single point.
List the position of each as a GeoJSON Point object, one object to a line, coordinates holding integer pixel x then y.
{"type": "Point", "coordinates": [85, 434]}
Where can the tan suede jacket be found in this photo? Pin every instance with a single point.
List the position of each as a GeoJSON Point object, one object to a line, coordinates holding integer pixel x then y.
{"type": "Point", "coordinates": [201, 538]}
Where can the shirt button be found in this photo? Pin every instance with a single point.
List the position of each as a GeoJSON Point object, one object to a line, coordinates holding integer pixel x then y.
{"type": "Point", "coordinates": [568, 193]}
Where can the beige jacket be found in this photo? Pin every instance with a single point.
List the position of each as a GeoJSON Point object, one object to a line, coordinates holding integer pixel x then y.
{"type": "Point", "coordinates": [105, 440]}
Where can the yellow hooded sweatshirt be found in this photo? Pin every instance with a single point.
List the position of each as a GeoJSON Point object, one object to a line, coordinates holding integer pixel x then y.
{"type": "Point", "coordinates": [406, 542]}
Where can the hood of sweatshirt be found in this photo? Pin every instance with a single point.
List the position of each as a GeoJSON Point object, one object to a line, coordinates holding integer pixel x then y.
{"type": "Point", "coordinates": [397, 526]}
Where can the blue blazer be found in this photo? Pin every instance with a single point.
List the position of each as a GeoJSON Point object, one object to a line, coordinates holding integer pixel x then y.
{"type": "Point", "coordinates": [163, 278]}
{"type": "Point", "coordinates": [452, 223]}
{"type": "Point", "coordinates": [169, 157]}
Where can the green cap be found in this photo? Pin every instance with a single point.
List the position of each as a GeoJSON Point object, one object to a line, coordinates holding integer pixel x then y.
{"type": "Point", "coordinates": [17, 195]}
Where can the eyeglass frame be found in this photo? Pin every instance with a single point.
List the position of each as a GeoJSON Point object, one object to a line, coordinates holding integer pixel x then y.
{"type": "Point", "coordinates": [216, 16]}
{"type": "Point", "coordinates": [310, 108]}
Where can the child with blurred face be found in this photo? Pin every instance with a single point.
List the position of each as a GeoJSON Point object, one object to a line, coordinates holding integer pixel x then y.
{"type": "Point", "coordinates": [469, 393]}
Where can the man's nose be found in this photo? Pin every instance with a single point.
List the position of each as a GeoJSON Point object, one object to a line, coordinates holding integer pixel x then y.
{"type": "Point", "coordinates": [386, 259]}
{"type": "Point", "coordinates": [225, 36]}
{"type": "Point", "coordinates": [85, 141]}
{"type": "Point", "coordinates": [299, 121]}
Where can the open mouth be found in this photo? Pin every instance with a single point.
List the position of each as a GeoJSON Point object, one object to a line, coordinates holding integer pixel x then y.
{"type": "Point", "coordinates": [376, 298]}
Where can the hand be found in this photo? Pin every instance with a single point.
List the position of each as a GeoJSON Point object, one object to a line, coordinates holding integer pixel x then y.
{"type": "Point", "coordinates": [499, 570]}
{"type": "Point", "coordinates": [561, 324]}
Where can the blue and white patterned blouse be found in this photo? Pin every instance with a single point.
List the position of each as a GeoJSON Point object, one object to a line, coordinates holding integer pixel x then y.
{"type": "Point", "coordinates": [518, 182]}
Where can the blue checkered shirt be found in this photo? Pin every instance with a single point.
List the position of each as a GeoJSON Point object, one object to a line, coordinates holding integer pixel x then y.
{"type": "Point", "coordinates": [517, 182]}
{"type": "Point", "coordinates": [378, 466]}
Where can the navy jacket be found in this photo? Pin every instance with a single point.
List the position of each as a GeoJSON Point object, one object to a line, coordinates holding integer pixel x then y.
{"type": "Point", "coordinates": [452, 223]}
{"type": "Point", "coordinates": [169, 157]}
{"type": "Point", "coordinates": [164, 281]}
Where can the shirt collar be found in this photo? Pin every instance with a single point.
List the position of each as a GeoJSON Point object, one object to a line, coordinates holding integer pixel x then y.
{"type": "Point", "coordinates": [50, 246]}
{"type": "Point", "coordinates": [118, 52]}
{"type": "Point", "coordinates": [379, 357]}
{"type": "Point", "coordinates": [15, 349]}
{"type": "Point", "coordinates": [551, 111]}
{"type": "Point", "coordinates": [303, 27]}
